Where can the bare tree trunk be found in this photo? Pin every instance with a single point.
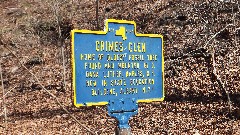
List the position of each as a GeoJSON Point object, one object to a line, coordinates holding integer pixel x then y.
{"type": "Point", "coordinates": [60, 39]}
{"type": "Point", "coordinates": [97, 5]}
{"type": "Point", "coordinates": [3, 93]}
{"type": "Point", "coordinates": [63, 64]}
{"type": "Point", "coordinates": [47, 91]}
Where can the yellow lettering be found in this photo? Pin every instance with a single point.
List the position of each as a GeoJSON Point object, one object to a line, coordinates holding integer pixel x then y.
{"type": "Point", "coordinates": [112, 91]}
{"type": "Point", "coordinates": [91, 65]}
{"type": "Point", "coordinates": [91, 74]}
{"type": "Point", "coordinates": [137, 47]}
{"type": "Point", "coordinates": [109, 46]}
{"type": "Point", "coordinates": [144, 89]}
{"type": "Point", "coordinates": [143, 47]}
{"type": "Point", "coordinates": [87, 56]}
{"type": "Point", "coordinates": [127, 65]}
{"type": "Point", "coordinates": [148, 74]}
{"type": "Point", "coordinates": [100, 56]}
{"type": "Point", "coordinates": [130, 47]}
{"type": "Point", "coordinates": [97, 46]}
{"type": "Point", "coordinates": [105, 91]}
{"type": "Point", "coordinates": [152, 57]}
{"type": "Point", "coordinates": [91, 83]}
{"type": "Point", "coordinates": [153, 73]}
{"type": "Point", "coordinates": [94, 92]}
{"type": "Point", "coordinates": [116, 47]}
{"type": "Point", "coordinates": [81, 56]}
{"type": "Point", "coordinates": [153, 65]}
{"type": "Point", "coordinates": [133, 73]}
{"type": "Point", "coordinates": [120, 46]}
{"type": "Point", "coordinates": [145, 65]}
{"type": "Point", "coordinates": [102, 46]}
{"type": "Point", "coordinates": [104, 83]}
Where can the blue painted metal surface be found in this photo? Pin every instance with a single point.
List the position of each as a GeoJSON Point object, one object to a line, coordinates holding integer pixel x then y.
{"type": "Point", "coordinates": [116, 63]}
{"type": "Point", "coordinates": [122, 110]}
{"type": "Point", "coordinates": [117, 67]}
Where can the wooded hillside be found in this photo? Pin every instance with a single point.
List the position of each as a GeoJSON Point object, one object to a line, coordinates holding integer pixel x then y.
{"type": "Point", "coordinates": [202, 66]}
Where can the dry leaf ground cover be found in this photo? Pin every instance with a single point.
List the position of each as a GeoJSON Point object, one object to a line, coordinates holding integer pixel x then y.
{"type": "Point", "coordinates": [201, 40]}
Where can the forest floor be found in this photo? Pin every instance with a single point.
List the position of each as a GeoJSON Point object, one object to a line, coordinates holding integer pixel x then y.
{"type": "Point", "coordinates": [202, 66]}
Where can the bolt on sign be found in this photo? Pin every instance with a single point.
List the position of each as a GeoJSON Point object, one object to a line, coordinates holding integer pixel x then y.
{"type": "Point", "coordinates": [116, 63]}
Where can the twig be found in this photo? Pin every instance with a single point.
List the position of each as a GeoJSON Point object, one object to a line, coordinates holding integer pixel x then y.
{"type": "Point", "coordinates": [234, 22]}
{"type": "Point", "coordinates": [228, 96]}
{"type": "Point", "coordinates": [216, 35]}
{"type": "Point", "coordinates": [214, 71]}
{"type": "Point", "coordinates": [103, 111]}
{"type": "Point", "coordinates": [235, 37]}
{"type": "Point", "coordinates": [64, 67]}
{"type": "Point", "coordinates": [60, 39]}
{"type": "Point", "coordinates": [219, 81]}
{"type": "Point", "coordinates": [97, 5]}
{"type": "Point", "coordinates": [52, 95]}
{"type": "Point", "coordinates": [199, 49]}
{"type": "Point", "coordinates": [9, 91]}
{"type": "Point", "coordinates": [1, 113]}
{"type": "Point", "coordinates": [4, 100]}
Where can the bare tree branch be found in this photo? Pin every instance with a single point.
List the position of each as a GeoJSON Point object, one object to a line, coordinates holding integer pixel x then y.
{"type": "Point", "coordinates": [8, 91]}
{"type": "Point", "coordinates": [3, 92]}
{"type": "Point", "coordinates": [52, 95]}
{"type": "Point", "coordinates": [219, 81]}
{"type": "Point", "coordinates": [60, 40]}
{"type": "Point", "coordinates": [207, 43]}
{"type": "Point", "coordinates": [188, 54]}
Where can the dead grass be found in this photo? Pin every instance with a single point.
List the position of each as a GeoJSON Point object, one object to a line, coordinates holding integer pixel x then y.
{"type": "Point", "coordinates": [194, 103]}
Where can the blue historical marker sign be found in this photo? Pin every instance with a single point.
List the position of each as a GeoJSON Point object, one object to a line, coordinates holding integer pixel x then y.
{"type": "Point", "coordinates": [117, 63]}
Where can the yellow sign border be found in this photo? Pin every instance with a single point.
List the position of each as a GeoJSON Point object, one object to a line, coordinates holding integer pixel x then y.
{"type": "Point", "coordinates": [104, 33]}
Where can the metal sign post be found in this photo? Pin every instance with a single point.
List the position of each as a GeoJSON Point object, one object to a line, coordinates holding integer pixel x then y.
{"type": "Point", "coordinates": [117, 67]}
{"type": "Point", "coordinates": [122, 110]}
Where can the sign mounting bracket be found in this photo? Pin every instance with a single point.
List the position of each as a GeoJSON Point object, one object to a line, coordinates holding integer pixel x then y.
{"type": "Point", "coordinates": [122, 110]}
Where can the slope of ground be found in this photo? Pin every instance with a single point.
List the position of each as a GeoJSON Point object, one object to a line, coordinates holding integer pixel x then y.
{"type": "Point", "coordinates": [201, 40]}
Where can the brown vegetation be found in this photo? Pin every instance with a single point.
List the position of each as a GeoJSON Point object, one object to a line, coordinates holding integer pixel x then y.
{"type": "Point", "coordinates": [201, 52]}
